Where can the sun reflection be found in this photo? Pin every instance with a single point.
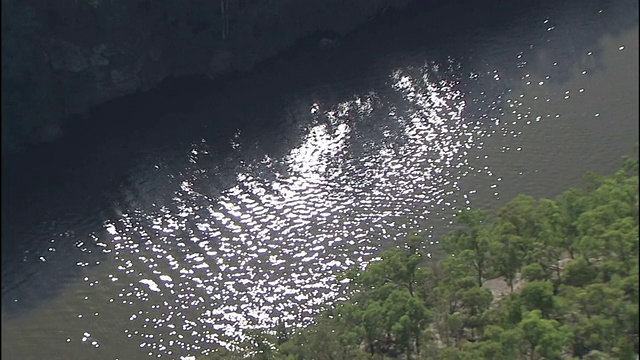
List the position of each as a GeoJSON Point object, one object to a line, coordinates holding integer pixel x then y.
{"type": "Point", "coordinates": [265, 250]}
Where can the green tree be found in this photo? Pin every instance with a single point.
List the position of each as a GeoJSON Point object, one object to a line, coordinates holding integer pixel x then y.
{"type": "Point", "coordinates": [507, 252]}
{"type": "Point", "coordinates": [579, 272]}
{"type": "Point", "coordinates": [498, 344]}
{"type": "Point", "coordinates": [538, 295]}
{"type": "Point", "coordinates": [406, 318]}
{"type": "Point", "coordinates": [549, 242]}
{"type": "Point", "coordinates": [386, 307]}
{"type": "Point", "coordinates": [572, 203]}
{"type": "Point", "coordinates": [545, 338]}
{"type": "Point", "coordinates": [521, 214]}
{"type": "Point", "coordinates": [534, 272]}
{"type": "Point", "coordinates": [475, 301]}
{"type": "Point", "coordinates": [472, 243]}
{"type": "Point", "coordinates": [327, 339]}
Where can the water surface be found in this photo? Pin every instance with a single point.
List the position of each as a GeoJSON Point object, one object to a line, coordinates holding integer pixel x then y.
{"type": "Point", "coordinates": [173, 222]}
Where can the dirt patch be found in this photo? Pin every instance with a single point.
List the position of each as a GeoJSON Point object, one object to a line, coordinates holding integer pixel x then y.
{"type": "Point", "coordinates": [500, 288]}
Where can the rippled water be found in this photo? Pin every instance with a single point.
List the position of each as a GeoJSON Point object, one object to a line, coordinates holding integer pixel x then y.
{"type": "Point", "coordinates": [174, 226]}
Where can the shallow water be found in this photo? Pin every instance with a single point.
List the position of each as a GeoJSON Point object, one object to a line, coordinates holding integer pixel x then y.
{"type": "Point", "coordinates": [172, 222]}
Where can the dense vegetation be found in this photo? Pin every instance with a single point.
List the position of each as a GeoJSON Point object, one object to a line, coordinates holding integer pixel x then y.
{"type": "Point", "coordinates": [570, 266]}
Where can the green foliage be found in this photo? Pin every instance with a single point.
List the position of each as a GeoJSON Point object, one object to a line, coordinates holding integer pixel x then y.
{"type": "Point", "coordinates": [386, 306]}
{"type": "Point", "coordinates": [544, 337]}
{"type": "Point", "coordinates": [471, 244]}
{"type": "Point", "coordinates": [534, 272]}
{"type": "Point", "coordinates": [579, 272]}
{"type": "Point", "coordinates": [329, 339]}
{"type": "Point", "coordinates": [538, 295]}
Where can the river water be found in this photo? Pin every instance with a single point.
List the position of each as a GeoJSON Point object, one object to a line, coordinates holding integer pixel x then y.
{"type": "Point", "coordinates": [168, 223]}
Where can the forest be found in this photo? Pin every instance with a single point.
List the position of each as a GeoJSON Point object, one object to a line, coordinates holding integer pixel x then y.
{"type": "Point", "coordinates": [569, 270]}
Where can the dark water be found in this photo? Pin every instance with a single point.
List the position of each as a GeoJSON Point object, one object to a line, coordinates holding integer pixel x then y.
{"type": "Point", "coordinates": [169, 222]}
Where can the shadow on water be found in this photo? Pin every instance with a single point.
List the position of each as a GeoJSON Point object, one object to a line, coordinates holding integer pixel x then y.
{"type": "Point", "coordinates": [55, 195]}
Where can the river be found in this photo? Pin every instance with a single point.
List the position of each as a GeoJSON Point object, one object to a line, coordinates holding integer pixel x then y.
{"type": "Point", "coordinates": [171, 222]}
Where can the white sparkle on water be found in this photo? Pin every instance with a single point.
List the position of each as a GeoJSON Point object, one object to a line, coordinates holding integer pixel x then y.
{"type": "Point", "coordinates": [268, 249]}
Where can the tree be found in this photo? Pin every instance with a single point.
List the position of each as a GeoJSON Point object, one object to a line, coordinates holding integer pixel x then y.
{"type": "Point", "coordinates": [406, 318]}
{"type": "Point", "coordinates": [472, 243]}
{"type": "Point", "coordinates": [579, 272]}
{"type": "Point", "coordinates": [621, 240]}
{"type": "Point", "coordinates": [386, 309]}
{"type": "Point", "coordinates": [398, 267]}
{"type": "Point", "coordinates": [549, 243]}
{"type": "Point", "coordinates": [498, 344]}
{"type": "Point", "coordinates": [507, 251]}
{"type": "Point", "coordinates": [572, 203]}
{"type": "Point", "coordinates": [327, 339]}
{"type": "Point", "coordinates": [475, 301]}
{"type": "Point", "coordinates": [457, 277]}
{"type": "Point", "coordinates": [534, 272]}
{"type": "Point", "coordinates": [538, 295]}
{"type": "Point", "coordinates": [546, 338]}
{"type": "Point", "coordinates": [521, 214]}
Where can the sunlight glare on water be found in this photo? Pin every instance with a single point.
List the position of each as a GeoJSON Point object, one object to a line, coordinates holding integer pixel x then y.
{"type": "Point", "coordinates": [269, 250]}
